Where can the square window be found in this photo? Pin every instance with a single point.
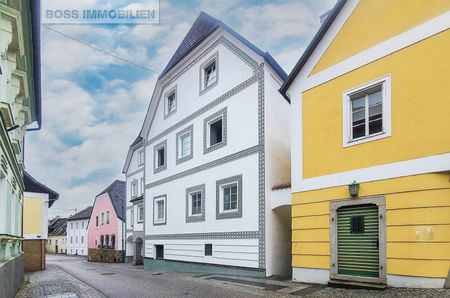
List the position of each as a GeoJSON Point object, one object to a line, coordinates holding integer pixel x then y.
{"type": "Point", "coordinates": [229, 197]}
{"type": "Point", "coordinates": [195, 203]}
{"type": "Point", "coordinates": [367, 112]}
{"type": "Point", "coordinates": [184, 144]}
{"type": "Point", "coordinates": [159, 251]}
{"type": "Point", "coordinates": [215, 131]}
{"type": "Point", "coordinates": [160, 157]}
{"type": "Point", "coordinates": [159, 210]}
{"type": "Point", "coordinates": [208, 250]}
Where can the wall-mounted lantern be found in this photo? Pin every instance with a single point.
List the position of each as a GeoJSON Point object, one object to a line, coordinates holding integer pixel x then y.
{"type": "Point", "coordinates": [353, 189]}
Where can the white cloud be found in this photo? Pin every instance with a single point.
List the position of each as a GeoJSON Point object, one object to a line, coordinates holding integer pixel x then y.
{"type": "Point", "coordinates": [86, 131]}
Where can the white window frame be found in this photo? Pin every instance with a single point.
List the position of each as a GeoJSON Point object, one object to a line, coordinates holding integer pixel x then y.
{"type": "Point", "coordinates": [385, 82]}
{"type": "Point", "coordinates": [222, 198]}
{"type": "Point", "coordinates": [140, 212]}
{"type": "Point", "coordinates": [156, 167]}
{"type": "Point", "coordinates": [132, 217]}
{"type": "Point", "coordinates": [141, 157]}
{"type": "Point", "coordinates": [107, 217]}
{"type": "Point", "coordinates": [168, 112]}
{"type": "Point", "coordinates": [220, 185]}
{"type": "Point", "coordinates": [221, 114]}
{"type": "Point", "coordinates": [103, 218]}
{"type": "Point", "coordinates": [186, 131]}
{"type": "Point", "coordinates": [159, 221]}
{"type": "Point", "coordinates": [134, 189]}
{"type": "Point", "coordinates": [142, 185]}
{"type": "Point", "coordinates": [214, 59]}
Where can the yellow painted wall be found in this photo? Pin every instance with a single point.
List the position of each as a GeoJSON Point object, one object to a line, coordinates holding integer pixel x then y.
{"type": "Point", "coordinates": [32, 215]}
{"type": "Point", "coordinates": [417, 224]}
{"type": "Point", "coordinates": [50, 245]}
{"type": "Point", "coordinates": [373, 22]}
{"type": "Point", "coordinates": [420, 111]}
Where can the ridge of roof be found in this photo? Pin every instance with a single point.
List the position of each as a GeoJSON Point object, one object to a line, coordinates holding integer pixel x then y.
{"type": "Point", "coordinates": [203, 26]}
{"type": "Point", "coordinates": [83, 214]}
{"type": "Point", "coordinates": [311, 47]}
{"type": "Point", "coordinates": [116, 193]}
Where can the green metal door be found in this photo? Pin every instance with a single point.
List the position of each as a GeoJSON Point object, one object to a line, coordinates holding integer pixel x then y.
{"type": "Point", "coordinates": [358, 241]}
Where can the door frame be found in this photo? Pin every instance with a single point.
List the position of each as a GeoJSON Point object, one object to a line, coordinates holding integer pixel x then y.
{"type": "Point", "coordinates": [380, 201]}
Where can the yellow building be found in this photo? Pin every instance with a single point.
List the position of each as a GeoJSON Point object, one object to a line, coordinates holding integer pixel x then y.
{"type": "Point", "coordinates": [370, 102]}
{"type": "Point", "coordinates": [37, 199]}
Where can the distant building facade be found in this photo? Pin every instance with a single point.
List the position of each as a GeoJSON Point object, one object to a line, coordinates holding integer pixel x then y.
{"type": "Point", "coordinates": [37, 199]}
{"type": "Point", "coordinates": [57, 237]}
{"type": "Point", "coordinates": [20, 106]}
{"type": "Point", "coordinates": [77, 232]}
{"type": "Point", "coordinates": [106, 226]}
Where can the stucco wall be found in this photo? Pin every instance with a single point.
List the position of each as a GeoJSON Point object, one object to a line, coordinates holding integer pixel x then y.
{"type": "Point", "coordinates": [11, 276]}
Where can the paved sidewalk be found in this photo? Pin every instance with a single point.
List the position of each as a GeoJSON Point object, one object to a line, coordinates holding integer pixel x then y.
{"type": "Point", "coordinates": [55, 283]}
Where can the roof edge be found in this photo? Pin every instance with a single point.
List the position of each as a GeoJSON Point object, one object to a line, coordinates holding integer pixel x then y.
{"type": "Point", "coordinates": [311, 47]}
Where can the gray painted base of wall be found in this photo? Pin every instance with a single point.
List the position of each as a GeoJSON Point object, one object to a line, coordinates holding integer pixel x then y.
{"type": "Point", "coordinates": [11, 276]}
{"type": "Point", "coordinates": [128, 259]}
{"type": "Point", "coordinates": [152, 264]}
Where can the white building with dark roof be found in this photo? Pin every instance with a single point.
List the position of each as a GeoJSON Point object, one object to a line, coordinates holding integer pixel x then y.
{"type": "Point", "coordinates": [77, 232]}
{"type": "Point", "coordinates": [214, 142]}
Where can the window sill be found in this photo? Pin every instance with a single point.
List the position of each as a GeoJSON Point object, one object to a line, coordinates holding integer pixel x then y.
{"type": "Point", "coordinates": [369, 138]}
{"type": "Point", "coordinates": [160, 169]}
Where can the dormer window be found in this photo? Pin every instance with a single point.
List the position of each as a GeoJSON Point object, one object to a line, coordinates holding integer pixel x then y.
{"type": "Point", "coordinates": [170, 102]}
{"type": "Point", "coordinates": [209, 73]}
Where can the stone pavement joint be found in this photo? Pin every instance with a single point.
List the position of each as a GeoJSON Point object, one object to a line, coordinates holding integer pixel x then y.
{"type": "Point", "coordinates": [55, 283]}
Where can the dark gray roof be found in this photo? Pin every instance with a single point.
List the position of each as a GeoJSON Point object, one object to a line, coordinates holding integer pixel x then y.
{"type": "Point", "coordinates": [32, 185]}
{"type": "Point", "coordinates": [116, 192]}
{"type": "Point", "coordinates": [311, 47]}
{"type": "Point", "coordinates": [83, 214]}
{"type": "Point", "coordinates": [203, 26]}
{"type": "Point", "coordinates": [57, 226]}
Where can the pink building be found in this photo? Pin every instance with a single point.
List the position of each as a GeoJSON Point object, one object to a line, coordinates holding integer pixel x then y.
{"type": "Point", "coordinates": [105, 229]}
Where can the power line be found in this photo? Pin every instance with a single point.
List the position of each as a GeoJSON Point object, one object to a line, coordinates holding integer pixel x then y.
{"type": "Point", "coordinates": [91, 171]}
{"type": "Point", "coordinates": [98, 49]}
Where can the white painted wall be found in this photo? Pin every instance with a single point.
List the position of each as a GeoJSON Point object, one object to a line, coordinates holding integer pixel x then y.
{"type": "Point", "coordinates": [77, 237]}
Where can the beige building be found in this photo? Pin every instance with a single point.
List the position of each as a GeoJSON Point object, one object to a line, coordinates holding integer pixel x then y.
{"type": "Point", "coordinates": [57, 237]}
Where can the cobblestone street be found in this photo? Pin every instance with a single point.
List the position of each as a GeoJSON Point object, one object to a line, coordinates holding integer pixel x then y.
{"type": "Point", "coordinates": [71, 277]}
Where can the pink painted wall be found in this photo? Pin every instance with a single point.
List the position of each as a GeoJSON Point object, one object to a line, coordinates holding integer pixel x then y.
{"type": "Point", "coordinates": [103, 204]}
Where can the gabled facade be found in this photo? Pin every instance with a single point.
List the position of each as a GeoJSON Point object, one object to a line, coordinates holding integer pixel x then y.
{"type": "Point", "coordinates": [370, 146]}
{"type": "Point", "coordinates": [77, 232]}
{"type": "Point", "coordinates": [135, 185]}
{"type": "Point", "coordinates": [37, 199]}
{"type": "Point", "coordinates": [215, 141]}
{"type": "Point", "coordinates": [106, 225]}
{"type": "Point", "coordinates": [20, 103]}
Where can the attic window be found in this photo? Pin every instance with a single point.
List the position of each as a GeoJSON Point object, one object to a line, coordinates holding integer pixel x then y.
{"type": "Point", "coordinates": [170, 102]}
{"type": "Point", "coordinates": [209, 73]}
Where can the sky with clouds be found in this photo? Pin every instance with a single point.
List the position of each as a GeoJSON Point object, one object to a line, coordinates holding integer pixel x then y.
{"type": "Point", "coordinates": [94, 104]}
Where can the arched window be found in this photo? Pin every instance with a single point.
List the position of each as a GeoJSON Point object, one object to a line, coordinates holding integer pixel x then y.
{"type": "Point", "coordinates": [113, 241]}
{"type": "Point", "coordinates": [107, 240]}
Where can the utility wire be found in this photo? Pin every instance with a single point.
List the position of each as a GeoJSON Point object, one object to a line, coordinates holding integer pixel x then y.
{"type": "Point", "coordinates": [100, 50]}
{"type": "Point", "coordinates": [75, 167]}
